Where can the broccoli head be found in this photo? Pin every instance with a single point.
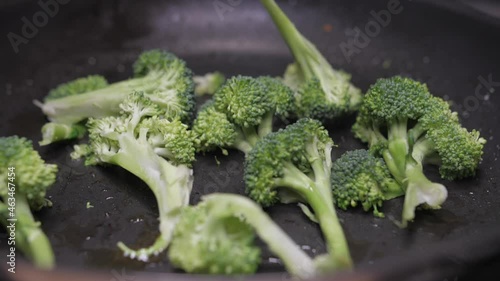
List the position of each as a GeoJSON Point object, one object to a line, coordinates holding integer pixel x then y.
{"type": "Point", "coordinates": [241, 113]}
{"type": "Point", "coordinates": [217, 237]}
{"type": "Point", "coordinates": [157, 150]}
{"type": "Point", "coordinates": [406, 125]}
{"type": "Point", "coordinates": [321, 91]}
{"type": "Point", "coordinates": [358, 177]}
{"type": "Point", "coordinates": [161, 76]}
{"type": "Point", "coordinates": [296, 161]}
{"type": "Point", "coordinates": [24, 180]}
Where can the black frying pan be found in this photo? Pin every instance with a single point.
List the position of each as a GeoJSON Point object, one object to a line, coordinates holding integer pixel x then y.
{"type": "Point", "coordinates": [451, 52]}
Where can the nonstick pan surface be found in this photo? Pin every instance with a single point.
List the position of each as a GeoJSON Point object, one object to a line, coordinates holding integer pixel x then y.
{"type": "Point", "coordinates": [453, 54]}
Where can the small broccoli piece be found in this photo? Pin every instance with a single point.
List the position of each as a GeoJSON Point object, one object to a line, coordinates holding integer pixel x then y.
{"type": "Point", "coordinates": [54, 132]}
{"type": "Point", "coordinates": [217, 237]}
{"type": "Point", "coordinates": [24, 180]}
{"type": "Point", "coordinates": [321, 91]}
{"type": "Point", "coordinates": [161, 76]}
{"type": "Point", "coordinates": [241, 113]}
{"type": "Point", "coordinates": [297, 160]}
{"type": "Point", "coordinates": [208, 83]}
{"type": "Point", "coordinates": [402, 122]}
{"type": "Point", "coordinates": [156, 150]}
{"type": "Point", "coordinates": [358, 177]}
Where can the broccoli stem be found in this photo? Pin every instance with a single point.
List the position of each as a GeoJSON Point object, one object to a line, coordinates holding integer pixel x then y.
{"type": "Point", "coordinates": [324, 211]}
{"type": "Point", "coordinates": [266, 126]}
{"type": "Point", "coordinates": [292, 36]}
{"type": "Point", "coordinates": [297, 262]}
{"type": "Point", "coordinates": [54, 132]}
{"type": "Point", "coordinates": [30, 237]}
{"type": "Point", "coordinates": [98, 103]}
{"type": "Point", "coordinates": [170, 184]}
{"type": "Point", "coordinates": [251, 135]}
{"type": "Point", "coordinates": [420, 190]}
{"type": "Point", "coordinates": [397, 149]}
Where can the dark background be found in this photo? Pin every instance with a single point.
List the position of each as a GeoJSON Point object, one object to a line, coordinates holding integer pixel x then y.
{"type": "Point", "coordinates": [449, 49]}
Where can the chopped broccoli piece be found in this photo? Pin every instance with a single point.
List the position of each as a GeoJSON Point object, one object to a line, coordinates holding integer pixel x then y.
{"type": "Point", "coordinates": [217, 237]}
{"type": "Point", "coordinates": [156, 150]}
{"type": "Point", "coordinates": [297, 160]}
{"type": "Point", "coordinates": [208, 83]}
{"type": "Point", "coordinates": [24, 180]}
{"type": "Point", "coordinates": [54, 132]}
{"type": "Point", "coordinates": [402, 122]}
{"type": "Point", "coordinates": [161, 76]}
{"type": "Point", "coordinates": [358, 177]}
{"type": "Point", "coordinates": [321, 91]}
{"type": "Point", "coordinates": [241, 113]}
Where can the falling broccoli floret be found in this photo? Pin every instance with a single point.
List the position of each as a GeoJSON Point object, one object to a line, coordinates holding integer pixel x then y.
{"type": "Point", "coordinates": [24, 180]}
{"type": "Point", "coordinates": [321, 91]}
{"type": "Point", "coordinates": [297, 161]}
{"type": "Point", "coordinates": [241, 113]}
{"type": "Point", "coordinates": [402, 122]}
{"type": "Point", "coordinates": [217, 237]}
{"type": "Point", "coordinates": [208, 83]}
{"type": "Point", "coordinates": [358, 177]}
{"type": "Point", "coordinates": [161, 76]}
{"type": "Point", "coordinates": [157, 150]}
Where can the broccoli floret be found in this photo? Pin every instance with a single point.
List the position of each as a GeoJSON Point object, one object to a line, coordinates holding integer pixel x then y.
{"type": "Point", "coordinates": [358, 177]}
{"type": "Point", "coordinates": [24, 180]}
{"type": "Point", "coordinates": [156, 150]}
{"type": "Point", "coordinates": [161, 76]}
{"type": "Point", "coordinates": [321, 91]}
{"type": "Point", "coordinates": [217, 237]}
{"type": "Point", "coordinates": [402, 122]}
{"type": "Point", "coordinates": [241, 113]}
{"type": "Point", "coordinates": [297, 160]}
{"type": "Point", "coordinates": [54, 131]}
{"type": "Point", "coordinates": [208, 83]}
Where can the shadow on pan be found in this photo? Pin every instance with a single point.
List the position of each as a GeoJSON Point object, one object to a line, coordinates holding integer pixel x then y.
{"type": "Point", "coordinates": [456, 56]}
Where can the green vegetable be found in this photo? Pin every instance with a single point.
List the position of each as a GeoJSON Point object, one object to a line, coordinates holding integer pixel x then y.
{"type": "Point", "coordinates": [54, 132]}
{"type": "Point", "coordinates": [156, 150]}
{"type": "Point", "coordinates": [163, 78]}
{"type": "Point", "coordinates": [24, 180]}
{"type": "Point", "coordinates": [208, 83]}
{"type": "Point", "coordinates": [241, 113]}
{"type": "Point", "coordinates": [321, 91]}
{"type": "Point", "coordinates": [294, 164]}
{"type": "Point", "coordinates": [217, 237]}
{"type": "Point", "coordinates": [358, 177]}
{"type": "Point", "coordinates": [402, 122]}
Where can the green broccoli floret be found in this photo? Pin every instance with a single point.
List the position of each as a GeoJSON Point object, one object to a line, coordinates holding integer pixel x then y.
{"type": "Point", "coordinates": [24, 180]}
{"type": "Point", "coordinates": [241, 113]}
{"type": "Point", "coordinates": [161, 76]}
{"type": "Point", "coordinates": [53, 131]}
{"type": "Point", "coordinates": [156, 150]}
{"type": "Point", "coordinates": [217, 237]}
{"type": "Point", "coordinates": [208, 83]}
{"type": "Point", "coordinates": [297, 160]}
{"type": "Point", "coordinates": [321, 91]}
{"type": "Point", "coordinates": [358, 177]}
{"type": "Point", "coordinates": [402, 122]}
